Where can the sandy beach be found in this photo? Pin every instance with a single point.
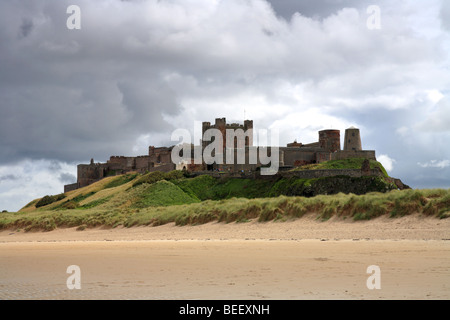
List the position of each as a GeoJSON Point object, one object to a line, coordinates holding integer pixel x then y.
{"type": "Point", "coordinates": [300, 259]}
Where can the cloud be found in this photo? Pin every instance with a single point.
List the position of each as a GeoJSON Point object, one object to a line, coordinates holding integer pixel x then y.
{"type": "Point", "coordinates": [313, 8]}
{"type": "Point", "coordinates": [435, 164]}
{"type": "Point", "coordinates": [10, 177]}
{"type": "Point", "coordinates": [139, 69]}
{"type": "Point", "coordinates": [435, 95]}
{"type": "Point", "coordinates": [67, 178]}
{"type": "Point", "coordinates": [30, 179]}
{"type": "Point", "coordinates": [439, 119]}
{"type": "Point", "coordinates": [445, 14]}
{"type": "Point", "coordinates": [386, 161]}
{"type": "Point", "coordinates": [26, 27]}
{"type": "Point", "coordinates": [402, 131]}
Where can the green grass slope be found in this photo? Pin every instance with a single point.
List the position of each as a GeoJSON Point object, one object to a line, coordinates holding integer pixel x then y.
{"type": "Point", "coordinates": [353, 163]}
{"type": "Point", "coordinates": [157, 198]}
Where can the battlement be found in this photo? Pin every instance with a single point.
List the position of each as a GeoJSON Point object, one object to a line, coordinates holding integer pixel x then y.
{"type": "Point", "coordinates": [294, 144]}
{"type": "Point", "coordinates": [222, 125]}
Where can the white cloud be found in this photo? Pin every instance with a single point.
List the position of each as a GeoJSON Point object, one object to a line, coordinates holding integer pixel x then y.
{"type": "Point", "coordinates": [439, 119]}
{"type": "Point", "coordinates": [434, 95]}
{"type": "Point", "coordinates": [386, 161]}
{"type": "Point", "coordinates": [435, 164]}
{"type": "Point", "coordinates": [402, 131]}
{"type": "Point", "coordinates": [28, 180]}
{"type": "Point", "coordinates": [304, 125]}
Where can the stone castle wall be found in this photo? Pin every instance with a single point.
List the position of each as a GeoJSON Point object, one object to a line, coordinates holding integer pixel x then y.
{"type": "Point", "coordinates": [342, 155]}
{"type": "Point", "coordinates": [143, 163]}
{"type": "Point", "coordinates": [167, 167]}
{"type": "Point", "coordinates": [301, 174]}
{"type": "Point", "coordinates": [311, 174]}
{"type": "Point", "coordinates": [294, 155]}
{"type": "Point", "coordinates": [71, 187]}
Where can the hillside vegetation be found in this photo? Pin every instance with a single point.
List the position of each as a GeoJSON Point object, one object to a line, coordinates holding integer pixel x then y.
{"type": "Point", "coordinates": [353, 163]}
{"type": "Point", "coordinates": [158, 198]}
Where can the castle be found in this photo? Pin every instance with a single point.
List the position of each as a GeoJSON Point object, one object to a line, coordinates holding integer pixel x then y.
{"type": "Point", "coordinates": [295, 154]}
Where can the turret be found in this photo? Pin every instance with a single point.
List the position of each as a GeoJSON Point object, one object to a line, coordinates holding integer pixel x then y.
{"type": "Point", "coordinates": [352, 140]}
{"type": "Point", "coordinates": [330, 140]}
{"type": "Point", "coordinates": [248, 125]}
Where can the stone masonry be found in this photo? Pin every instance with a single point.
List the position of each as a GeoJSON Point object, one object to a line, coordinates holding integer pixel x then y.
{"type": "Point", "coordinates": [328, 147]}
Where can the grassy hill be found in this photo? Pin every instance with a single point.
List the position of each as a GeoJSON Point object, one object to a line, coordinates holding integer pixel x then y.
{"type": "Point", "coordinates": [353, 163]}
{"type": "Point", "coordinates": [157, 198]}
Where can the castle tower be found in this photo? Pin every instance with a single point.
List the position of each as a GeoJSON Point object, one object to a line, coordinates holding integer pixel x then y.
{"type": "Point", "coordinates": [205, 126]}
{"type": "Point", "coordinates": [330, 140]}
{"type": "Point", "coordinates": [222, 125]}
{"type": "Point", "coordinates": [248, 125]}
{"type": "Point", "coordinates": [352, 140]}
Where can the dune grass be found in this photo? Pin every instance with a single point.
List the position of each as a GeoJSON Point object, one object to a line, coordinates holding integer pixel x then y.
{"type": "Point", "coordinates": [49, 200]}
{"type": "Point", "coordinates": [433, 202]}
{"type": "Point", "coordinates": [156, 176]}
{"type": "Point", "coordinates": [120, 180]}
{"type": "Point", "coordinates": [158, 198]}
{"type": "Point", "coordinates": [160, 193]}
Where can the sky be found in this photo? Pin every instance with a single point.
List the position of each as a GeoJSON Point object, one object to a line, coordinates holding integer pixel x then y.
{"type": "Point", "coordinates": [137, 70]}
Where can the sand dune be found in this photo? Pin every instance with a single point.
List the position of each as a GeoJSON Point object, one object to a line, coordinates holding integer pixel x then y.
{"type": "Point", "coordinates": [414, 227]}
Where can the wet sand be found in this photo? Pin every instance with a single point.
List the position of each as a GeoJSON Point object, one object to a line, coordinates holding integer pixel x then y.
{"type": "Point", "coordinates": [301, 259]}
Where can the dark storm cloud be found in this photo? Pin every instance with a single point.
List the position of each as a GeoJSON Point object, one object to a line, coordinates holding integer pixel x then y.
{"type": "Point", "coordinates": [68, 95]}
{"type": "Point", "coordinates": [138, 69]}
{"type": "Point", "coordinates": [67, 178]}
{"type": "Point", "coordinates": [314, 8]}
{"type": "Point", "coordinates": [54, 166]}
{"type": "Point", "coordinates": [148, 102]}
{"type": "Point", "coordinates": [69, 123]}
{"type": "Point", "coordinates": [26, 27]}
{"type": "Point", "coordinates": [10, 177]}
